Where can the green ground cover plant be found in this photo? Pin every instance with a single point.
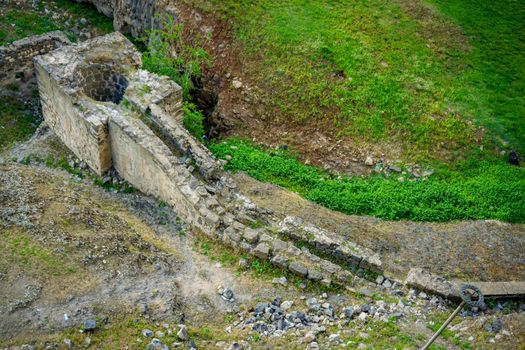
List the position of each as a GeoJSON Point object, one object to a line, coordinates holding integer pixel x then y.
{"type": "Point", "coordinates": [489, 191]}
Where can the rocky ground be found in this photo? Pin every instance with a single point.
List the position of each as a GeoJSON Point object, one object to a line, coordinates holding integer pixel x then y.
{"type": "Point", "coordinates": [84, 266]}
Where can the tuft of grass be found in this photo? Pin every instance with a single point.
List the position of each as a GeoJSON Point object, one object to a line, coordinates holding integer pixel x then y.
{"type": "Point", "coordinates": [16, 122]}
{"type": "Point", "coordinates": [490, 191]}
{"type": "Point", "coordinates": [20, 249]}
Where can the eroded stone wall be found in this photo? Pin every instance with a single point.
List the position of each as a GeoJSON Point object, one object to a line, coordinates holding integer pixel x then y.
{"type": "Point", "coordinates": [133, 16]}
{"type": "Point", "coordinates": [16, 59]}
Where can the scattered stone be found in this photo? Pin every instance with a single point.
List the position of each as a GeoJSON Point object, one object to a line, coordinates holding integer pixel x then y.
{"type": "Point", "coordinates": [298, 269]}
{"type": "Point", "coordinates": [495, 326]}
{"type": "Point", "coordinates": [348, 312]}
{"type": "Point", "coordinates": [227, 294]}
{"type": "Point", "coordinates": [394, 168]}
{"type": "Point", "coordinates": [281, 280]}
{"type": "Point", "coordinates": [312, 304]}
{"type": "Point", "coordinates": [237, 84]}
{"type": "Point", "coordinates": [156, 344]}
{"type": "Point", "coordinates": [183, 333]}
{"type": "Point", "coordinates": [369, 161]}
{"type": "Point", "coordinates": [286, 305]}
{"type": "Point", "coordinates": [243, 263]}
{"type": "Point", "coordinates": [90, 325]}
{"type": "Point", "coordinates": [379, 279]}
{"type": "Point", "coordinates": [147, 333]}
{"type": "Point", "coordinates": [261, 251]}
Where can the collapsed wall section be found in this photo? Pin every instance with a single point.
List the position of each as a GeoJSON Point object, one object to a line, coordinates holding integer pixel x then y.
{"type": "Point", "coordinates": [16, 59]}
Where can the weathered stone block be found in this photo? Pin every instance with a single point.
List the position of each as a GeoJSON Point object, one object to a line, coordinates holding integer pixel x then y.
{"type": "Point", "coordinates": [251, 235]}
{"type": "Point", "coordinates": [261, 251]}
{"type": "Point", "coordinates": [298, 269]}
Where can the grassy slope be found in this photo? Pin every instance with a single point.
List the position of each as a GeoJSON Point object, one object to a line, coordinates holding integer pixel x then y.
{"type": "Point", "coordinates": [416, 79]}
{"type": "Point", "coordinates": [497, 64]}
{"type": "Point", "coordinates": [386, 70]}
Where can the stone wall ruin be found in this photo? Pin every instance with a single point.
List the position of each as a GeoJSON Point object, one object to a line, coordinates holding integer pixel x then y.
{"type": "Point", "coordinates": [132, 16]}
{"type": "Point", "coordinates": [16, 59]}
{"type": "Point", "coordinates": [112, 114]}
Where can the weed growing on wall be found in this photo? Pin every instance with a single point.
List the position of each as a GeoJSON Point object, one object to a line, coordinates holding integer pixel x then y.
{"type": "Point", "coordinates": [167, 53]}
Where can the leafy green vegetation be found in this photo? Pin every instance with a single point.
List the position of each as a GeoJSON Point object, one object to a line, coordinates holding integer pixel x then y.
{"type": "Point", "coordinates": [400, 71]}
{"type": "Point", "coordinates": [168, 54]}
{"type": "Point", "coordinates": [20, 249]}
{"type": "Point", "coordinates": [16, 122]}
{"type": "Point", "coordinates": [490, 191]}
{"type": "Point", "coordinates": [193, 120]}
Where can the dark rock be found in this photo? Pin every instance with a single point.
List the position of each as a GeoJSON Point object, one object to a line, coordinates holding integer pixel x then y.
{"type": "Point", "coordinates": [260, 327]}
{"type": "Point", "coordinates": [90, 325]}
{"type": "Point", "coordinates": [227, 294]}
{"type": "Point", "coordinates": [495, 326]}
{"type": "Point", "coordinates": [514, 158]}
{"type": "Point", "coordinates": [298, 269]}
{"type": "Point", "coordinates": [365, 308]}
{"type": "Point", "coordinates": [156, 344]}
{"type": "Point", "coordinates": [183, 333]}
{"type": "Point", "coordinates": [348, 312]}
{"type": "Point", "coordinates": [281, 324]}
{"type": "Point", "coordinates": [261, 307]}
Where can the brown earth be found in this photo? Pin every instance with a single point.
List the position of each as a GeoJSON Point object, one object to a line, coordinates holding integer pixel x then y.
{"type": "Point", "coordinates": [249, 112]}
{"type": "Point", "coordinates": [484, 250]}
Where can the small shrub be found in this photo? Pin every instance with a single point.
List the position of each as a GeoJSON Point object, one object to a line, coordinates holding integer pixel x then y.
{"type": "Point", "coordinates": [193, 120]}
{"type": "Point", "coordinates": [167, 53]}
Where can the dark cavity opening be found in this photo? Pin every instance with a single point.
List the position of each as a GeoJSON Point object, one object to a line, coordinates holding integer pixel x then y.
{"type": "Point", "coordinates": [102, 83]}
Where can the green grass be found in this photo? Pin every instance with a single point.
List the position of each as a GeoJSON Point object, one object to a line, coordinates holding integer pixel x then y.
{"type": "Point", "coordinates": [379, 71]}
{"type": "Point", "coordinates": [19, 21]}
{"type": "Point", "coordinates": [487, 191]}
{"type": "Point", "coordinates": [20, 249]}
{"type": "Point", "coordinates": [16, 123]}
